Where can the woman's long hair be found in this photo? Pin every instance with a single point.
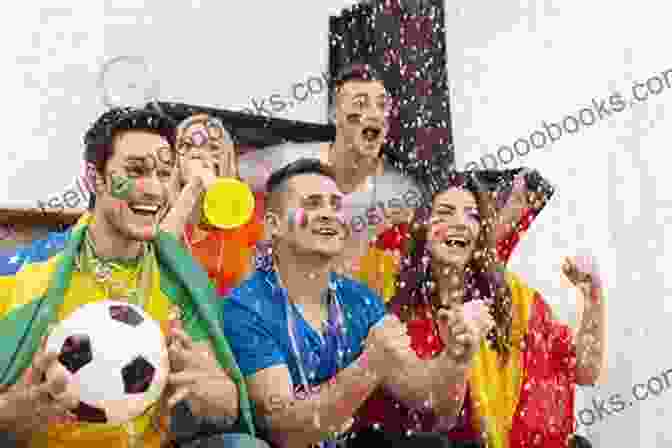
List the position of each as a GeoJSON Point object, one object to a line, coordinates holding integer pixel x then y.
{"type": "Point", "coordinates": [484, 274]}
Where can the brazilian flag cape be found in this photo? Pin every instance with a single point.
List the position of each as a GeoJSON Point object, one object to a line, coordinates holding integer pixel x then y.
{"type": "Point", "coordinates": [182, 281]}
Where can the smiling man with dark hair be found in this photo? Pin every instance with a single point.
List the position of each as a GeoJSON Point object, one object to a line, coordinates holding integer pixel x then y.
{"type": "Point", "coordinates": [117, 252]}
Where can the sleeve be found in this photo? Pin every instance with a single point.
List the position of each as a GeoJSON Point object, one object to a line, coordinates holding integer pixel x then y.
{"type": "Point", "coordinates": [552, 337]}
{"type": "Point", "coordinates": [373, 309]}
{"type": "Point", "coordinates": [252, 342]}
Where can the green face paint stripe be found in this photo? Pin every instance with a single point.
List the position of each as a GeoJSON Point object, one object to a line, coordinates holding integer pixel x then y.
{"type": "Point", "coordinates": [122, 186]}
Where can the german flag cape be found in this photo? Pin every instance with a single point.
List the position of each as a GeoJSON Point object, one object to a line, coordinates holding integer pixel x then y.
{"type": "Point", "coordinates": [184, 282]}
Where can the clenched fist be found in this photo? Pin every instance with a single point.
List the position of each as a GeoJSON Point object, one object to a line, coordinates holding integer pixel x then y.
{"type": "Point", "coordinates": [462, 327]}
{"type": "Point", "coordinates": [388, 346]}
{"type": "Point", "coordinates": [30, 405]}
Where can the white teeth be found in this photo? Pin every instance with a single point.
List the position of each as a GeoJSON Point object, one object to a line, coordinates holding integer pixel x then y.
{"type": "Point", "coordinates": [328, 232]}
{"type": "Point", "coordinates": [371, 133]}
{"type": "Point", "coordinates": [146, 208]}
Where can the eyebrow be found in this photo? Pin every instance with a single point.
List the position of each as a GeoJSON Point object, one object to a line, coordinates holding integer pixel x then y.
{"type": "Point", "coordinates": [452, 207]}
{"type": "Point", "coordinates": [316, 196]}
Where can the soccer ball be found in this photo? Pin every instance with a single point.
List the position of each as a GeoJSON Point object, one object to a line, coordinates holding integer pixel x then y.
{"type": "Point", "coordinates": [116, 358]}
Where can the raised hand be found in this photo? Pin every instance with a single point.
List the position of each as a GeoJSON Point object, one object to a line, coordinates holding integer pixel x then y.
{"type": "Point", "coordinates": [584, 273]}
{"type": "Point", "coordinates": [462, 327]}
{"type": "Point", "coordinates": [198, 166]}
{"type": "Point", "coordinates": [226, 162]}
{"type": "Point", "coordinates": [388, 346]}
{"type": "Point", "coordinates": [195, 376]}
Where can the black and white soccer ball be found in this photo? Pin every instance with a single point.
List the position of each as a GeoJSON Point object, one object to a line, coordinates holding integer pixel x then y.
{"type": "Point", "coordinates": [116, 357]}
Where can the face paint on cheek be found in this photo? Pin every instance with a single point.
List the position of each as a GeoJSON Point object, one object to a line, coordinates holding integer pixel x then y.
{"type": "Point", "coordinates": [439, 231]}
{"type": "Point", "coordinates": [297, 217]}
{"type": "Point", "coordinates": [122, 187]}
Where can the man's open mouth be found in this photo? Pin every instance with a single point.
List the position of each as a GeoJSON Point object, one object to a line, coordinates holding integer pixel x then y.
{"type": "Point", "coordinates": [371, 133]}
{"type": "Point", "coordinates": [145, 210]}
{"type": "Point", "coordinates": [326, 231]}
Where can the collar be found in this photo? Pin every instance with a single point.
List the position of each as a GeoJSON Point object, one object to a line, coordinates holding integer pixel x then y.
{"type": "Point", "coordinates": [273, 280]}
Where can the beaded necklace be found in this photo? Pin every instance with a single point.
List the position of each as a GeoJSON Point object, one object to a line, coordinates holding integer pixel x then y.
{"type": "Point", "coordinates": [88, 262]}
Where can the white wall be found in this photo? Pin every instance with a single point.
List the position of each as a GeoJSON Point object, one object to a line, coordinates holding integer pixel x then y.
{"type": "Point", "coordinates": [205, 52]}
{"type": "Point", "coordinates": [514, 64]}
{"type": "Point", "coordinates": [511, 65]}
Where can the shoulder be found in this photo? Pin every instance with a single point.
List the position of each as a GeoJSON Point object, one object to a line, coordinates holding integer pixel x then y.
{"type": "Point", "coordinates": [252, 296]}
{"type": "Point", "coordinates": [357, 295]}
{"type": "Point", "coordinates": [398, 185]}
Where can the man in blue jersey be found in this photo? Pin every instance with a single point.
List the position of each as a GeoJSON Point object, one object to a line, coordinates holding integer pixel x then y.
{"type": "Point", "coordinates": [313, 345]}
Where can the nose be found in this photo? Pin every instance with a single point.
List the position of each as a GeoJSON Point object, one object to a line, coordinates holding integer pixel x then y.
{"type": "Point", "coordinates": [372, 114]}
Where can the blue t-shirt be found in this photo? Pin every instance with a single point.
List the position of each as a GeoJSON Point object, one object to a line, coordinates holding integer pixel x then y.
{"type": "Point", "coordinates": [254, 319]}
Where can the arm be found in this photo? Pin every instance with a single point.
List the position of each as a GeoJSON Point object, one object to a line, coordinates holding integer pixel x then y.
{"type": "Point", "coordinates": [264, 364]}
{"type": "Point", "coordinates": [438, 383]}
{"type": "Point", "coordinates": [197, 173]}
{"type": "Point", "coordinates": [183, 209]}
{"type": "Point", "coordinates": [329, 409]}
{"type": "Point", "coordinates": [591, 339]}
{"type": "Point", "coordinates": [225, 403]}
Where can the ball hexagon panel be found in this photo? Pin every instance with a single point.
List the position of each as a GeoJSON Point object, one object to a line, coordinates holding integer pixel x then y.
{"type": "Point", "coordinates": [126, 314]}
{"type": "Point", "coordinates": [137, 376]}
{"type": "Point", "coordinates": [75, 352]}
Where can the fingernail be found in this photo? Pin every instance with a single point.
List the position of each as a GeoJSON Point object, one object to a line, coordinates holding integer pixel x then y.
{"type": "Point", "coordinates": [71, 418]}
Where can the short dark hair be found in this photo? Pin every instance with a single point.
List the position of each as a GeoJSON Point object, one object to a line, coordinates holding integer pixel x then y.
{"type": "Point", "coordinates": [355, 72]}
{"type": "Point", "coordinates": [99, 139]}
{"type": "Point", "coordinates": [297, 168]}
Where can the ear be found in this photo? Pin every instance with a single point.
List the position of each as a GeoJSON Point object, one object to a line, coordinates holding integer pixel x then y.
{"type": "Point", "coordinates": [98, 181]}
{"type": "Point", "coordinates": [272, 224]}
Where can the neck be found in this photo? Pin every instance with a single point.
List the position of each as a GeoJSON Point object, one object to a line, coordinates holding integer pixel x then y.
{"type": "Point", "coordinates": [450, 283]}
{"type": "Point", "coordinates": [110, 243]}
{"type": "Point", "coordinates": [305, 277]}
{"type": "Point", "coordinates": [351, 171]}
